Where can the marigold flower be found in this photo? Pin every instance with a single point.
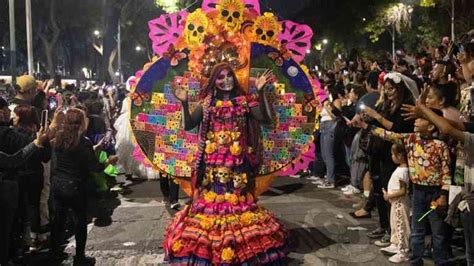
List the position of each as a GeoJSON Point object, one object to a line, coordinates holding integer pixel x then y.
{"type": "Point", "coordinates": [210, 196]}
{"type": "Point", "coordinates": [177, 246]}
{"type": "Point", "coordinates": [227, 254]}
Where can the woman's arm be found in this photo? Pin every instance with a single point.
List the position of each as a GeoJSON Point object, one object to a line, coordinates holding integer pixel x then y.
{"type": "Point", "coordinates": [387, 124]}
{"type": "Point", "coordinates": [18, 158]}
{"type": "Point", "coordinates": [190, 121]}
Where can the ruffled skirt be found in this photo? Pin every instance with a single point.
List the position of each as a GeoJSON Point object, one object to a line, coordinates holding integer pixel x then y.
{"type": "Point", "coordinates": [224, 230]}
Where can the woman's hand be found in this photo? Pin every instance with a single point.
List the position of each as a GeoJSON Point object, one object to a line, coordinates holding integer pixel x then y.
{"type": "Point", "coordinates": [412, 112]}
{"type": "Point", "coordinates": [357, 122]}
{"type": "Point", "coordinates": [41, 137]}
{"type": "Point", "coordinates": [424, 93]}
{"type": "Point", "coordinates": [263, 79]}
{"type": "Point", "coordinates": [112, 160]}
{"type": "Point", "coordinates": [179, 92]}
{"type": "Point", "coordinates": [371, 113]}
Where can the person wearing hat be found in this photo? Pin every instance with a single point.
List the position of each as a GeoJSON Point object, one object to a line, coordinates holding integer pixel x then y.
{"type": "Point", "coordinates": [26, 87]}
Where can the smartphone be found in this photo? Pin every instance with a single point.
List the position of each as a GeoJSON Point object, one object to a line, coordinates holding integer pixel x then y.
{"type": "Point", "coordinates": [44, 119]}
{"type": "Point", "coordinates": [331, 99]}
{"type": "Point", "coordinates": [53, 104]}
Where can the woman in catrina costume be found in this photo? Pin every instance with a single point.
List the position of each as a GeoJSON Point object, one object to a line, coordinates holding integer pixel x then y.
{"type": "Point", "coordinates": [223, 225]}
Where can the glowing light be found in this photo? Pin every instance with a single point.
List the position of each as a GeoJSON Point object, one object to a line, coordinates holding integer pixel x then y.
{"type": "Point", "coordinates": [308, 51]}
{"type": "Point", "coordinates": [138, 48]}
{"type": "Point", "coordinates": [96, 33]}
{"type": "Point", "coordinates": [325, 41]}
{"type": "Point", "coordinates": [169, 6]}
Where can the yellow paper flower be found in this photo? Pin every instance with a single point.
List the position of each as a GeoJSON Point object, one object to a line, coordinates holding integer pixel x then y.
{"type": "Point", "coordinates": [227, 254]}
{"type": "Point", "coordinates": [247, 218]}
{"type": "Point", "coordinates": [210, 196]}
{"type": "Point", "coordinates": [206, 224]}
{"type": "Point", "coordinates": [177, 246]}
{"type": "Point", "coordinates": [219, 103]}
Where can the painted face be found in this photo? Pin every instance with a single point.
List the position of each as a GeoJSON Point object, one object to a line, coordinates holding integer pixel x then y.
{"type": "Point", "coordinates": [390, 91]}
{"type": "Point", "coordinates": [225, 81]}
{"type": "Point", "coordinates": [433, 100]}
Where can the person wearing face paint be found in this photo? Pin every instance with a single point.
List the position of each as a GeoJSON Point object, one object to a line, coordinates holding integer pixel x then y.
{"type": "Point", "coordinates": [223, 224]}
{"type": "Point", "coordinates": [387, 114]}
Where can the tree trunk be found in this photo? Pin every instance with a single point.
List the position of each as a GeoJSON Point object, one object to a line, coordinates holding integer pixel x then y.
{"type": "Point", "coordinates": [111, 18]}
{"type": "Point", "coordinates": [50, 43]}
{"type": "Point", "coordinates": [110, 68]}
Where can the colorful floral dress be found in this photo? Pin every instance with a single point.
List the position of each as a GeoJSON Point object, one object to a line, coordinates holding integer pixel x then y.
{"type": "Point", "coordinates": [224, 225]}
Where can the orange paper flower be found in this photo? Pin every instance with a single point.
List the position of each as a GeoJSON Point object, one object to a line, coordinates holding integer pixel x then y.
{"type": "Point", "coordinates": [220, 198]}
{"type": "Point", "coordinates": [227, 254]}
{"type": "Point", "coordinates": [206, 224]}
{"type": "Point", "coordinates": [210, 196]}
{"type": "Point", "coordinates": [177, 246]}
{"type": "Point", "coordinates": [233, 199]}
{"type": "Point", "coordinates": [247, 218]}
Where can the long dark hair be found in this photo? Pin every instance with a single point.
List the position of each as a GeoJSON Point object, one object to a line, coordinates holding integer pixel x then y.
{"type": "Point", "coordinates": [404, 96]}
{"type": "Point", "coordinates": [210, 87]}
{"type": "Point", "coordinates": [28, 118]}
{"type": "Point", "coordinates": [67, 138]}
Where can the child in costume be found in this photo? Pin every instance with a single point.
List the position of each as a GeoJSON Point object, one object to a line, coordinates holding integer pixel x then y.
{"type": "Point", "coordinates": [223, 224]}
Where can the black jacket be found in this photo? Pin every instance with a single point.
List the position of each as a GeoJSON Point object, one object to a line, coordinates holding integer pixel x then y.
{"type": "Point", "coordinates": [10, 143]}
{"type": "Point", "coordinates": [76, 163]}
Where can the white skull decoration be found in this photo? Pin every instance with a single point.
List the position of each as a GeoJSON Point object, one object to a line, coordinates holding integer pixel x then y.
{"type": "Point", "coordinates": [223, 174]}
{"type": "Point", "coordinates": [231, 14]}
{"type": "Point", "coordinates": [195, 28]}
{"type": "Point", "coordinates": [240, 180]}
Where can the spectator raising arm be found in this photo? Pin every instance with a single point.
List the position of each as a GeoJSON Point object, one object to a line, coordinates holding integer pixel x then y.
{"type": "Point", "coordinates": [446, 127]}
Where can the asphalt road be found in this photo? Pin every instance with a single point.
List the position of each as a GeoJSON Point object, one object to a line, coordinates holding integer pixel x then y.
{"type": "Point", "coordinates": [318, 221]}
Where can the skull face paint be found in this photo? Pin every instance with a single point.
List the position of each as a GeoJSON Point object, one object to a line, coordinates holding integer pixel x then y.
{"type": "Point", "coordinates": [225, 81]}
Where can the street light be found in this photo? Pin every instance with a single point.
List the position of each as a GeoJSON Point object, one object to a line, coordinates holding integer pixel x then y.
{"type": "Point", "coordinates": [325, 41]}
{"type": "Point", "coordinates": [96, 33]}
{"type": "Point", "coordinates": [138, 48]}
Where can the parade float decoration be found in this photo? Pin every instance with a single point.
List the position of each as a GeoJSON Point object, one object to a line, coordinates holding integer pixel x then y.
{"type": "Point", "coordinates": [187, 46]}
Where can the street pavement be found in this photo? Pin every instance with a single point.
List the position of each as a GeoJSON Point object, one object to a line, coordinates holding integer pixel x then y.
{"type": "Point", "coordinates": [318, 221]}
